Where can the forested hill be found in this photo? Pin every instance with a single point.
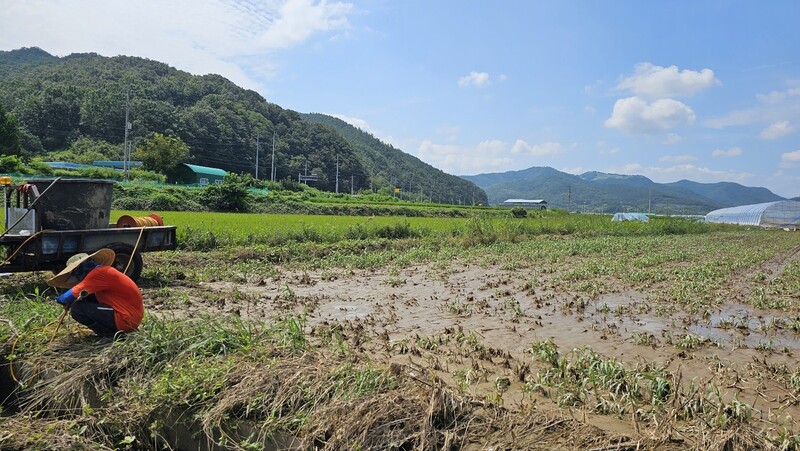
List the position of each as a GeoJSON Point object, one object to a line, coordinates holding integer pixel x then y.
{"type": "Point", "coordinates": [609, 193]}
{"type": "Point", "coordinates": [390, 166]}
{"type": "Point", "coordinates": [56, 101]}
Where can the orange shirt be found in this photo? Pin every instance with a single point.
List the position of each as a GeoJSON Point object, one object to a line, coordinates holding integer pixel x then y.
{"type": "Point", "coordinates": [116, 290]}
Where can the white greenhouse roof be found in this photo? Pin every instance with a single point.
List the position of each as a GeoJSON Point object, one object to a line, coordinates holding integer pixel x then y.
{"type": "Point", "coordinates": [630, 217]}
{"type": "Point", "coordinates": [524, 201]}
{"type": "Point", "coordinates": [783, 213]}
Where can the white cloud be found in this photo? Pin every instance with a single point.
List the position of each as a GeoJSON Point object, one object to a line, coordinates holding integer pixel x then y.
{"type": "Point", "coordinates": [354, 121]}
{"type": "Point", "coordinates": [777, 130]}
{"type": "Point", "coordinates": [635, 116]}
{"type": "Point", "coordinates": [486, 156]}
{"type": "Point", "coordinates": [732, 152]}
{"type": "Point", "coordinates": [589, 109]}
{"type": "Point", "coordinates": [297, 20]}
{"type": "Point", "coordinates": [492, 146]}
{"type": "Point", "coordinates": [771, 98]}
{"type": "Point", "coordinates": [478, 79]}
{"type": "Point", "coordinates": [740, 117]}
{"type": "Point", "coordinates": [539, 150]}
{"type": "Point", "coordinates": [589, 89]}
{"type": "Point", "coordinates": [363, 125]}
{"type": "Point", "coordinates": [770, 114]}
{"type": "Point", "coordinates": [777, 96]}
{"type": "Point", "coordinates": [785, 184]}
{"type": "Point", "coordinates": [677, 158]}
{"type": "Point", "coordinates": [614, 151]}
{"type": "Point", "coordinates": [450, 133]}
{"type": "Point", "coordinates": [651, 81]}
{"type": "Point", "coordinates": [577, 170]}
{"type": "Point", "coordinates": [790, 159]}
{"type": "Point", "coordinates": [673, 138]}
{"type": "Point", "coordinates": [200, 37]}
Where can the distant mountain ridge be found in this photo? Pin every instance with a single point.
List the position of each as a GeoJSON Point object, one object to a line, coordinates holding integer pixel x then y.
{"type": "Point", "coordinates": [608, 193]}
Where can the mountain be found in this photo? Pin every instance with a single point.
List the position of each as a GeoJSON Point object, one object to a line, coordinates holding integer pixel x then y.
{"type": "Point", "coordinates": [391, 166]}
{"type": "Point", "coordinates": [609, 193]}
{"type": "Point", "coordinates": [728, 194]}
{"type": "Point", "coordinates": [616, 179]}
{"type": "Point", "coordinates": [59, 100]}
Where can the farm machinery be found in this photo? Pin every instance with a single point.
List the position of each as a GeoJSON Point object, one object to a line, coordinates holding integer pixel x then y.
{"type": "Point", "coordinates": [49, 220]}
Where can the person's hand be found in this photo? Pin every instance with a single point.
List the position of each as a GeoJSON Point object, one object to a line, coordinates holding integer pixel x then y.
{"type": "Point", "coordinates": [66, 298]}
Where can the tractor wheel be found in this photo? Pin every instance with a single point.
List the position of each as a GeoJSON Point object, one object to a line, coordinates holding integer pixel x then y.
{"type": "Point", "coordinates": [123, 253]}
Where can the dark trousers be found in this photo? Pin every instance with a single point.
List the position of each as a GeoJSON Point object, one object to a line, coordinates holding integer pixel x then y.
{"type": "Point", "coordinates": [94, 315]}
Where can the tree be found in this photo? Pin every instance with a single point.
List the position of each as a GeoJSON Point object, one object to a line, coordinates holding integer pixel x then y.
{"type": "Point", "coordinates": [9, 133]}
{"type": "Point", "coordinates": [519, 212]}
{"type": "Point", "coordinates": [161, 153]}
{"type": "Point", "coordinates": [231, 195]}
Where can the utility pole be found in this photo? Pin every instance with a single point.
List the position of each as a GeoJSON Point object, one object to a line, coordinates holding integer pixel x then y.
{"type": "Point", "coordinates": [351, 185]}
{"type": "Point", "coordinates": [258, 137]}
{"type": "Point", "coordinates": [649, 197]}
{"type": "Point", "coordinates": [126, 149]}
{"type": "Point", "coordinates": [569, 198]}
{"type": "Point", "coordinates": [272, 169]}
{"type": "Point", "coordinates": [337, 173]}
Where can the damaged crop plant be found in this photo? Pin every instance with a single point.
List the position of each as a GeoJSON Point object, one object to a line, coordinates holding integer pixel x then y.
{"type": "Point", "coordinates": [208, 382]}
{"type": "Point", "coordinates": [550, 331]}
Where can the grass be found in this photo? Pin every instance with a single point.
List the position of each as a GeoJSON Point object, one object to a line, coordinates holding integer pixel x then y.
{"type": "Point", "coordinates": [193, 365]}
{"type": "Point", "coordinates": [203, 231]}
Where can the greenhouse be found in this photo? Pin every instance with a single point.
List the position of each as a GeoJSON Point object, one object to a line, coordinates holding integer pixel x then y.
{"type": "Point", "coordinates": [783, 213]}
{"type": "Point", "coordinates": [630, 217]}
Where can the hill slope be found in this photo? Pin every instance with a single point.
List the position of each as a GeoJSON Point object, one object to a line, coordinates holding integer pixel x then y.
{"type": "Point", "coordinates": [608, 193]}
{"type": "Point", "coordinates": [391, 166]}
{"type": "Point", "coordinates": [57, 100]}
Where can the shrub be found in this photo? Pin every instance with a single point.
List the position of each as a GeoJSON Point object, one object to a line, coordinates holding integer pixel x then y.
{"type": "Point", "coordinates": [37, 166]}
{"type": "Point", "coordinates": [11, 164]}
{"type": "Point", "coordinates": [395, 231]}
{"type": "Point", "coordinates": [290, 185]}
{"type": "Point", "coordinates": [519, 212]}
{"type": "Point", "coordinates": [231, 195]}
{"type": "Point", "coordinates": [166, 201]}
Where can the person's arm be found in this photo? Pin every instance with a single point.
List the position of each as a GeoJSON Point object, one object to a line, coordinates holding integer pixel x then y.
{"type": "Point", "coordinates": [66, 298]}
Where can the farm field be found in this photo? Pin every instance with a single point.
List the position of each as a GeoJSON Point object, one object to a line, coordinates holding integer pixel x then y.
{"type": "Point", "coordinates": [551, 332]}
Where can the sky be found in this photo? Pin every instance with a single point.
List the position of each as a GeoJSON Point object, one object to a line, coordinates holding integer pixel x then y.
{"type": "Point", "coordinates": [683, 89]}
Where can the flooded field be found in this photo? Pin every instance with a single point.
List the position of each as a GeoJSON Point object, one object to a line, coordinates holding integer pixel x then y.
{"type": "Point", "coordinates": [662, 342]}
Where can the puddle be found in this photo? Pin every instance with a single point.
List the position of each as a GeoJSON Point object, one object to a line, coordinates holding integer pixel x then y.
{"type": "Point", "coordinates": [345, 311]}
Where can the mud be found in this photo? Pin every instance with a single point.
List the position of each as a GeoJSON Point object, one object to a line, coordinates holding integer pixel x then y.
{"type": "Point", "coordinates": [473, 326]}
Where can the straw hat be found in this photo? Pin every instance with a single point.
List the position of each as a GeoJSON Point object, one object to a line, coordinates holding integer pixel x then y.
{"type": "Point", "coordinates": [62, 279]}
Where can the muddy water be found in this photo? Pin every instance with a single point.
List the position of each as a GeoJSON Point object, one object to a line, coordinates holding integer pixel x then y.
{"type": "Point", "coordinates": [420, 301]}
{"type": "Point", "coordinates": [407, 312]}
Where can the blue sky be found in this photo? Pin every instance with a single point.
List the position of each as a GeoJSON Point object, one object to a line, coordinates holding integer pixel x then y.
{"type": "Point", "coordinates": [700, 90]}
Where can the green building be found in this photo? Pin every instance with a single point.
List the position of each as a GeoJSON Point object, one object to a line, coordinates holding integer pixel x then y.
{"type": "Point", "coordinates": [192, 174]}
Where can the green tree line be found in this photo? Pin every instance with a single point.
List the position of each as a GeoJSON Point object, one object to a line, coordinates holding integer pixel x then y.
{"type": "Point", "coordinates": [76, 104]}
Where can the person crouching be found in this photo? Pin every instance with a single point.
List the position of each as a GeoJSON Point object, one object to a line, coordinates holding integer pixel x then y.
{"type": "Point", "coordinates": [99, 296]}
